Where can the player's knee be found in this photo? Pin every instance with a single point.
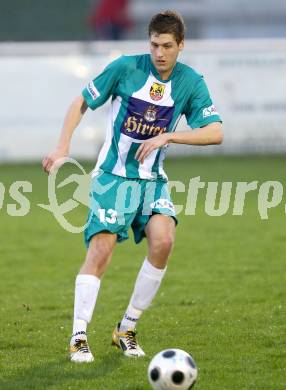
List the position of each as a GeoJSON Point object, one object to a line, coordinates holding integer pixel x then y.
{"type": "Point", "coordinates": [99, 253]}
{"type": "Point", "coordinates": [164, 244]}
{"type": "Point", "coordinates": [167, 243]}
{"type": "Point", "coordinates": [101, 244]}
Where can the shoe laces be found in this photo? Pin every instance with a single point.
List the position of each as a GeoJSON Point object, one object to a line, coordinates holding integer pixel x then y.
{"type": "Point", "coordinates": [81, 345]}
{"type": "Point", "coordinates": [131, 339]}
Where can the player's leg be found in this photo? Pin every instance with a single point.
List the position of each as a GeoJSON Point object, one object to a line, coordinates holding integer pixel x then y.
{"type": "Point", "coordinates": [102, 231]}
{"type": "Point", "coordinates": [98, 255]}
{"type": "Point", "coordinates": [160, 233]}
{"type": "Point", "coordinates": [86, 290]}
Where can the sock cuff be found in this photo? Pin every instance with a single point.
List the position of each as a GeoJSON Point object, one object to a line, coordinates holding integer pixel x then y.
{"type": "Point", "coordinates": [133, 311]}
{"type": "Point", "coordinates": [153, 272]}
{"type": "Point", "coordinates": [82, 332]}
{"type": "Point", "coordinates": [87, 279]}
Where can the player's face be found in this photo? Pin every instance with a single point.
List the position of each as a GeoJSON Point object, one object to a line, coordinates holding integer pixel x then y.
{"type": "Point", "coordinates": [164, 53]}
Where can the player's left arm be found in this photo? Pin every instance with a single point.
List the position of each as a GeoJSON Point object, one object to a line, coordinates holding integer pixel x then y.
{"type": "Point", "coordinates": [210, 134]}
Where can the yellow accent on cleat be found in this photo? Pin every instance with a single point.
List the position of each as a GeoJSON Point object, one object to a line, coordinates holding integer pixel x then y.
{"type": "Point", "coordinates": [126, 341]}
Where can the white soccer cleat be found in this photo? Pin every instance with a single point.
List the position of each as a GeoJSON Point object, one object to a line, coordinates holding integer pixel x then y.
{"type": "Point", "coordinates": [79, 349]}
{"type": "Point", "coordinates": [127, 342]}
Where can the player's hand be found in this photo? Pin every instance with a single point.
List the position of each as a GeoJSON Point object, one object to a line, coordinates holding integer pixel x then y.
{"type": "Point", "coordinates": [52, 160]}
{"type": "Point", "coordinates": [147, 147]}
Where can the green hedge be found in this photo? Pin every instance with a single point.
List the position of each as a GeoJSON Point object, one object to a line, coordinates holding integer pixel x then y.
{"type": "Point", "coordinates": [43, 20]}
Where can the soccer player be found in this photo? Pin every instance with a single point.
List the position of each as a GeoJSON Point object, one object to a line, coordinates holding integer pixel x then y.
{"type": "Point", "coordinates": [150, 93]}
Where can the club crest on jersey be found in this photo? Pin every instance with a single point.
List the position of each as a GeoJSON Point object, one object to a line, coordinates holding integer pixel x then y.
{"type": "Point", "coordinates": [150, 114]}
{"type": "Point", "coordinates": [157, 91]}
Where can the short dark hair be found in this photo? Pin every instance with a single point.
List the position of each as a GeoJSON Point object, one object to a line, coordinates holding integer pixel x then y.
{"type": "Point", "coordinates": [168, 22]}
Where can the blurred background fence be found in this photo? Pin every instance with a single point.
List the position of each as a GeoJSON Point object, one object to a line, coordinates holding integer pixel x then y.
{"type": "Point", "coordinates": [49, 51]}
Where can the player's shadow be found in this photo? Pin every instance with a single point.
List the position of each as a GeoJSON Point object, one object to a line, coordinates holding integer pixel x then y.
{"type": "Point", "coordinates": [57, 373]}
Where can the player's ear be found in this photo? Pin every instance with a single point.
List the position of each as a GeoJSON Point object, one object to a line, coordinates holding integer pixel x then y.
{"type": "Point", "coordinates": [181, 45]}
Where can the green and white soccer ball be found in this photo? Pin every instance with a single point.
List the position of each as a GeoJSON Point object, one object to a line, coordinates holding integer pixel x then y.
{"type": "Point", "coordinates": [172, 369]}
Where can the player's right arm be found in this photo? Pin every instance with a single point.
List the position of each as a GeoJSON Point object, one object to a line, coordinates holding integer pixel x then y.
{"type": "Point", "coordinates": [93, 96]}
{"type": "Point", "coordinates": [71, 121]}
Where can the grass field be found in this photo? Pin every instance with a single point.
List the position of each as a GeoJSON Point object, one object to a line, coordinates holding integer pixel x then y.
{"type": "Point", "coordinates": [223, 297]}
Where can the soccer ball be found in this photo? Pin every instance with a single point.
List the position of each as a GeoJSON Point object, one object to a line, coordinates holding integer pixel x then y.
{"type": "Point", "coordinates": [172, 369]}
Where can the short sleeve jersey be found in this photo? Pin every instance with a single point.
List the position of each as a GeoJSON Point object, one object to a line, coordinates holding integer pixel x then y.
{"type": "Point", "coordinates": [143, 106]}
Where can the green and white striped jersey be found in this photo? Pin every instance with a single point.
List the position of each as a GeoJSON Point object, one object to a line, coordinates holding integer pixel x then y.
{"type": "Point", "coordinates": [143, 106]}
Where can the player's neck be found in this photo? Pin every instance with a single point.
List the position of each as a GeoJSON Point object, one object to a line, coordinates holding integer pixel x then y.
{"type": "Point", "coordinates": [165, 75]}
